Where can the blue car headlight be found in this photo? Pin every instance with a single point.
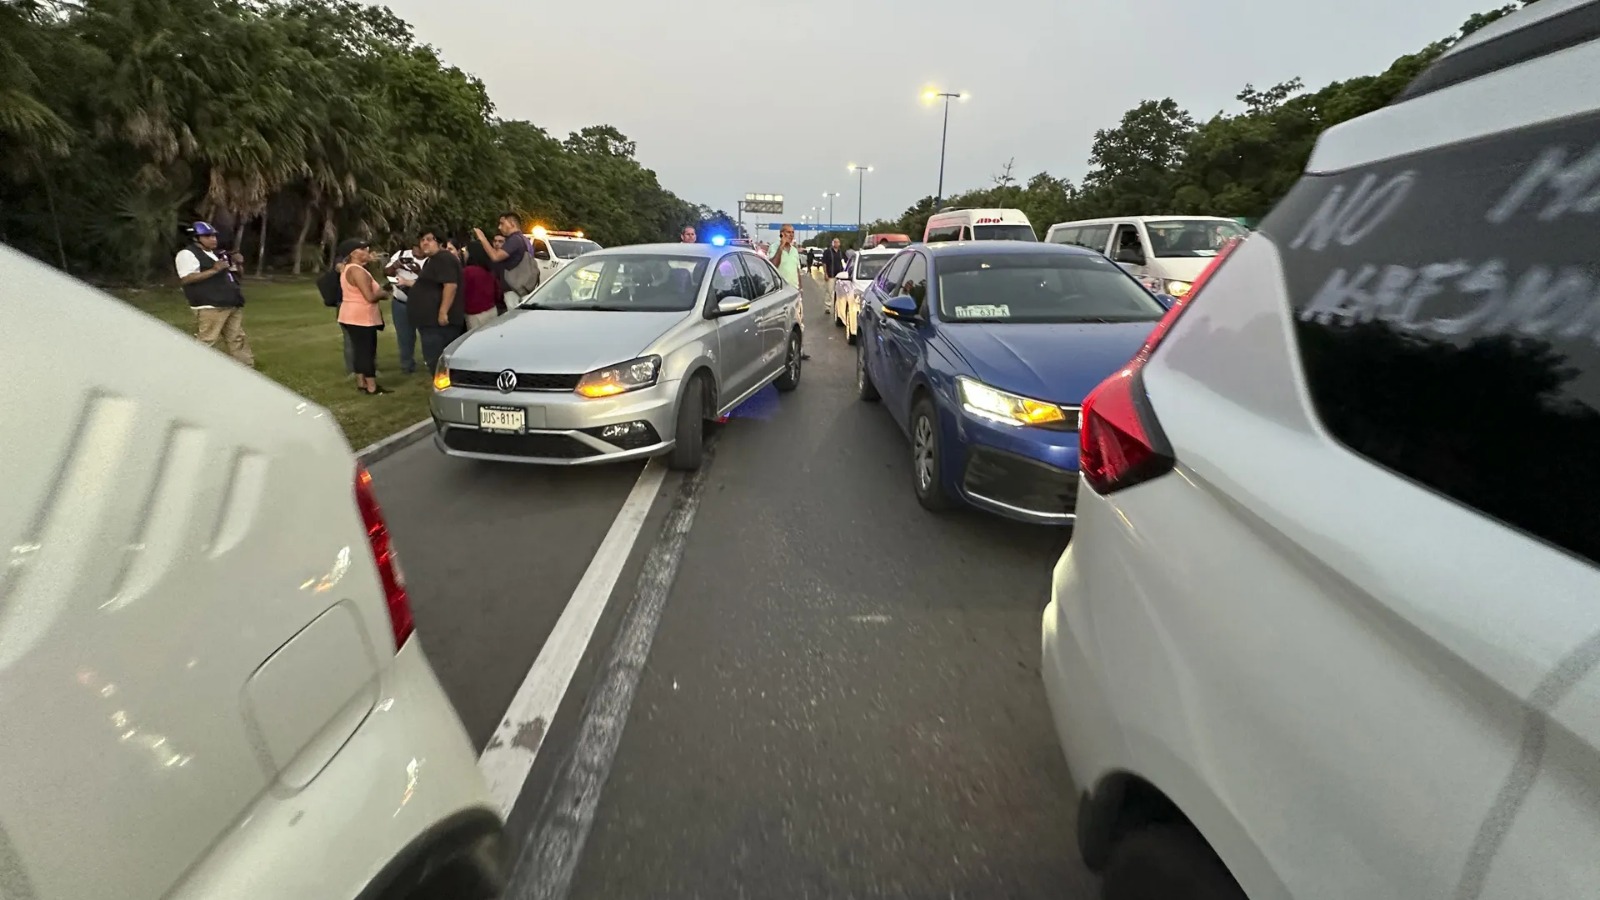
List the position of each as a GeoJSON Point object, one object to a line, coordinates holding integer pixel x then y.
{"type": "Point", "coordinates": [1006, 408]}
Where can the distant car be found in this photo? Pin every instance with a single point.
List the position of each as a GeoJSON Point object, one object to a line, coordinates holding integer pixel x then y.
{"type": "Point", "coordinates": [1164, 252]}
{"type": "Point", "coordinates": [887, 241]}
{"type": "Point", "coordinates": [209, 681]}
{"type": "Point", "coordinates": [983, 352]}
{"type": "Point", "coordinates": [851, 284]}
{"type": "Point", "coordinates": [625, 353]}
{"type": "Point", "coordinates": [1326, 624]}
{"type": "Point", "coordinates": [554, 249]}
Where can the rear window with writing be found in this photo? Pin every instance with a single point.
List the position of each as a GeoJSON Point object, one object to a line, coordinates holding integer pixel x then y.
{"type": "Point", "coordinates": [1447, 310]}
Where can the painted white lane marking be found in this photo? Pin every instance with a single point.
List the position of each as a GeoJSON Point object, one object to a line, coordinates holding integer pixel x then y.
{"type": "Point", "coordinates": [549, 859]}
{"type": "Point", "coordinates": [510, 753]}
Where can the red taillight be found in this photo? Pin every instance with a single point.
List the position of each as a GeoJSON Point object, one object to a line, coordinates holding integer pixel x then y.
{"type": "Point", "coordinates": [383, 555]}
{"type": "Point", "coordinates": [1120, 443]}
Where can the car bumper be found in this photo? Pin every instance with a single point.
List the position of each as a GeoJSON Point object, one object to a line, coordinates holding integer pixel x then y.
{"type": "Point", "coordinates": [1026, 474]}
{"type": "Point", "coordinates": [404, 788]}
{"type": "Point", "coordinates": [562, 428]}
{"type": "Point", "coordinates": [1089, 735]}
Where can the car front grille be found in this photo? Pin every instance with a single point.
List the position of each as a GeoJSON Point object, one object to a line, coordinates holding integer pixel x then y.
{"type": "Point", "coordinates": [535, 445]}
{"type": "Point", "coordinates": [1020, 482]}
{"type": "Point", "coordinates": [468, 378]}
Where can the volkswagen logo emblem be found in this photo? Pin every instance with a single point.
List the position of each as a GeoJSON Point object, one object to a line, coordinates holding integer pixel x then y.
{"type": "Point", "coordinates": [506, 381]}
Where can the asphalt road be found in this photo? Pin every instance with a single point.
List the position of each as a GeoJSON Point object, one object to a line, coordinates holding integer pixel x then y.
{"type": "Point", "coordinates": [826, 690]}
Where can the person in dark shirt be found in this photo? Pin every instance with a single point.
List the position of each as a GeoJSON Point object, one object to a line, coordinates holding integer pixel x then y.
{"type": "Point", "coordinates": [436, 308]}
{"type": "Point", "coordinates": [507, 254]}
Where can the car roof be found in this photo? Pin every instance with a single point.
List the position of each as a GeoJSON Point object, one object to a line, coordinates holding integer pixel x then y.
{"type": "Point", "coordinates": [990, 248]}
{"type": "Point", "coordinates": [709, 251]}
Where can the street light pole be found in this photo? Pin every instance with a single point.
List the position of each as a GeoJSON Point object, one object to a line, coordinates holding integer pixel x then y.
{"type": "Point", "coordinates": [861, 184]}
{"type": "Point", "coordinates": [947, 96]}
{"type": "Point", "coordinates": [829, 197]}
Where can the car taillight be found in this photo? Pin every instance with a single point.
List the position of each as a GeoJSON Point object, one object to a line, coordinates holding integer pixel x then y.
{"type": "Point", "coordinates": [383, 555]}
{"type": "Point", "coordinates": [1120, 443]}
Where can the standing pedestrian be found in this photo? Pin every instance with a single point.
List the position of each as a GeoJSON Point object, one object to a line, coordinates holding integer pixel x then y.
{"type": "Point", "coordinates": [402, 271]}
{"type": "Point", "coordinates": [514, 264]}
{"type": "Point", "coordinates": [786, 257]}
{"type": "Point", "coordinates": [211, 285]}
{"type": "Point", "coordinates": [359, 314]}
{"type": "Point", "coordinates": [688, 236]}
{"type": "Point", "coordinates": [435, 307]}
{"type": "Point", "coordinates": [500, 304]}
{"type": "Point", "coordinates": [479, 288]}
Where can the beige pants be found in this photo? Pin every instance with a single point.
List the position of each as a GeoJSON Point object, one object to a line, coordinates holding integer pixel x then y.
{"type": "Point", "coordinates": [478, 320]}
{"type": "Point", "coordinates": [226, 325]}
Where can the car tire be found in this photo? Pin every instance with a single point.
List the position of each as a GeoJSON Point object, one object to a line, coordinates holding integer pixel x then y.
{"type": "Point", "coordinates": [865, 389]}
{"type": "Point", "coordinates": [689, 447]}
{"type": "Point", "coordinates": [1167, 862]}
{"type": "Point", "coordinates": [790, 379]}
{"type": "Point", "coordinates": [838, 315]}
{"type": "Point", "coordinates": [927, 457]}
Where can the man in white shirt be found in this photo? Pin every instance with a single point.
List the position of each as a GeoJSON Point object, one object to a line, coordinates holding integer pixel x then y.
{"type": "Point", "coordinates": [211, 285]}
{"type": "Point", "coordinates": [402, 270]}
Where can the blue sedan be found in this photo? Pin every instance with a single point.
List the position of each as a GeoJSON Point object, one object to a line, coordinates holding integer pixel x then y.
{"type": "Point", "coordinates": [983, 352]}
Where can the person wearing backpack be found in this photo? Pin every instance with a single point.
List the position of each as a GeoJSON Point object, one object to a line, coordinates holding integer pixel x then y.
{"type": "Point", "coordinates": [518, 271]}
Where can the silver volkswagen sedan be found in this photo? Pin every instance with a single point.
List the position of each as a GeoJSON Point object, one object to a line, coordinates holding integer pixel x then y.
{"type": "Point", "coordinates": [623, 353]}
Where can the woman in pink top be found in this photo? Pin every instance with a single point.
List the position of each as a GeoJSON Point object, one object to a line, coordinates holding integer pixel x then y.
{"type": "Point", "coordinates": [359, 315]}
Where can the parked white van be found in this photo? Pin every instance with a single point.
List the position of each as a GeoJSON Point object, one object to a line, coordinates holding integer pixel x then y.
{"type": "Point", "coordinates": [1164, 252]}
{"type": "Point", "coordinates": [979, 225]}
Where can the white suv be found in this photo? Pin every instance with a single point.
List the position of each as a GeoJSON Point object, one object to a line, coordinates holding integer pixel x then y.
{"type": "Point", "coordinates": [1329, 623]}
{"type": "Point", "coordinates": [209, 685]}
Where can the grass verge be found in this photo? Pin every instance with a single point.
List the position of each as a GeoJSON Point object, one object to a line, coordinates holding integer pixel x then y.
{"type": "Point", "coordinates": [299, 345]}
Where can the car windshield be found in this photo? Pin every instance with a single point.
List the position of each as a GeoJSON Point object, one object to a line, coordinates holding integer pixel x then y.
{"type": "Point", "coordinates": [1189, 238]}
{"type": "Point", "coordinates": [628, 283]}
{"type": "Point", "coordinates": [567, 249]}
{"type": "Point", "coordinates": [1041, 287]}
{"type": "Point", "coordinates": [1003, 233]}
{"type": "Point", "coordinates": [868, 267]}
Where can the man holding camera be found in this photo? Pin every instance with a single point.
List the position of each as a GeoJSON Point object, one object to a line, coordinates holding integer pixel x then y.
{"type": "Point", "coordinates": [210, 282]}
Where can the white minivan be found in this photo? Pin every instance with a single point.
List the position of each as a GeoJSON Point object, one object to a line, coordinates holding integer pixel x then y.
{"type": "Point", "coordinates": [978, 225]}
{"type": "Point", "coordinates": [1164, 252]}
{"type": "Point", "coordinates": [209, 684]}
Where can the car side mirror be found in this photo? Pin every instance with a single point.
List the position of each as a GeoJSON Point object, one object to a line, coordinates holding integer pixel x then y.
{"type": "Point", "coordinates": [1131, 256]}
{"type": "Point", "coordinates": [730, 306]}
{"type": "Point", "coordinates": [542, 254]}
{"type": "Point", "coordinates": [900, 308]}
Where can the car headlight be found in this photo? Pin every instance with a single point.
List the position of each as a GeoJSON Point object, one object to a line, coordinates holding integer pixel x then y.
{"type": "Point", "coordinates": [621, 378]}
{"type": "Point", "coordinates": [1007, 408]}
{"type": "Point", "coordinates": [441, 378]}
{"type": "Point", "coordinates": [1178, 288]}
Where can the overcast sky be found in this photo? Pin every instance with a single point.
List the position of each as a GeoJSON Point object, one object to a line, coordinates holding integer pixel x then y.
{"type": "Point", "coordinates": [728, 98]}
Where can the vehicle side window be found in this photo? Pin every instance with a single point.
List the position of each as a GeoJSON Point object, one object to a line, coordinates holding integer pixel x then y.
{"type": "Point", "coordinates": [914, 283]}
{"type": "Point", "coordinates": [1095, 237]}
{"type": "Point", "coordinates": [1127, 248]}
{"type": "Point", "coordinates": [728, 279]}
{"type": "Point", "coordinates": [943, 233]}
{"type": "Point", "coordinates": [1464, 358]}
{"type": "Point", "coordinates": [540, 247]}
{"type": "Point", "coordinates": [966, 233]}
{"type": "Point", "coordinates": [762, 275]}
{"type": "Point", "coordinates": [889, 280]}
{"type": "Point", "coordinates": [1066, 236]}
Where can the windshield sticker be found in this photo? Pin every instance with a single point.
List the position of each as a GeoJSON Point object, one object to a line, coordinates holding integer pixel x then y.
{"type": "Point", "coordinates": [983, 312]}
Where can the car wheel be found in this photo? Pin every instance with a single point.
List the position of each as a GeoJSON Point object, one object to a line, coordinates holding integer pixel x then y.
{"type": "Point", "coordinates": [927, 457]}
{"type": "Point", "coordinates": [838, 315]}
{"type": "Point", "coordinates": [865, 389]}
{"type": "Point", "coordinates": [852, 335]}
{"type": "Point", "coordinates": [790, 379]}
{"type": "Point", "coordinates": [1167, 862]}
{"type": "Point", "coordinates": [691, 428]}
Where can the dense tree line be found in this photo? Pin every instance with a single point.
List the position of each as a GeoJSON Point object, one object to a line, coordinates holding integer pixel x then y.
{"type": "Point", "coordinates": [1160, 161]}
{"type": "Point", "coordinates": [287, 123]}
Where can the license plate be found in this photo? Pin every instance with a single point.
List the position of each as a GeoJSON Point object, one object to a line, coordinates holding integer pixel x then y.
{"type": "Point", "coordinates": [502, 418]}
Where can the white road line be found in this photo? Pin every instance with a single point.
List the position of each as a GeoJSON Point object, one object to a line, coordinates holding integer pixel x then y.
{"type": "Point", "coordinates": [547, 862]}
{"type": "Point", "coordinates": [510, 753]}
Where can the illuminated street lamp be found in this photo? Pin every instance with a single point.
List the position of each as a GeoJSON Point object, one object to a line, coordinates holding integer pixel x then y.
{"type": "Point", "coordinates": [929, 96]}
{"type": "Point", "coordinates": [829, 197]}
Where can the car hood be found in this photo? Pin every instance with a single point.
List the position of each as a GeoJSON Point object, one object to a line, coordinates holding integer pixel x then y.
{"type": "Point", "coordinates": [1059, 363]}
{"type": "Point", "coordinates": [559, 341]}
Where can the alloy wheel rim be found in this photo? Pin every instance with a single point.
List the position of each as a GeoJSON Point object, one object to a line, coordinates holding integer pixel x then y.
{"type": "Point", "coordinates": [861, 369]}
{"type": "Point", "coordinates": [923, 448]}
{"type": "Point", "coordinates": [794, 360]}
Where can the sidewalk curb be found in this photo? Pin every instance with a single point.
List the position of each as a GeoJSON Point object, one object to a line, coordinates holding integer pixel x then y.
{"type": "Point", "coordinates": [400, 440]}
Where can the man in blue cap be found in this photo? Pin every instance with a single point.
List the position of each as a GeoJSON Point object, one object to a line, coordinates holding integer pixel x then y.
{"type": "Point", "coordinates": [211, 284]}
